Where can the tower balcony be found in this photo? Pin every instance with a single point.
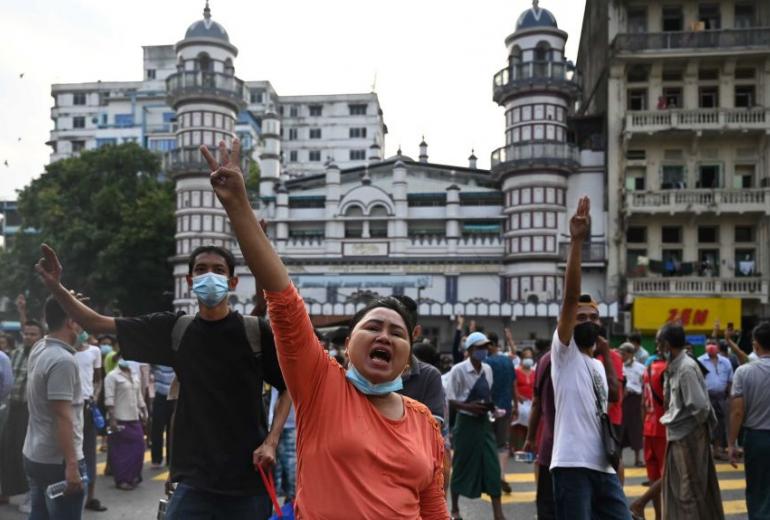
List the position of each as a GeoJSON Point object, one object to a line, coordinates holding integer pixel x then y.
{"type": "Point", "coordinates": [684, 43]}
{"type": "Point", "coordinates": [528, 156]}
{"type": "Point", "coordinates": [534, 75]}
{"type": "Point", "coordinates": [699, 201]}
{"type": "Point", "coordinates": [751, 288]}
{"type": "Point", "coordinates": [699, 120]}
{"type": "Point", "coordinates": [195, 85]}
{"type": "Point", "coordinates": [188, 160]}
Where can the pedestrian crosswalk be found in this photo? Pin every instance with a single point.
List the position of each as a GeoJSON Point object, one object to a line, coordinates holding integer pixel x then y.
{"type": "Point", "coordinates": [732, 484]}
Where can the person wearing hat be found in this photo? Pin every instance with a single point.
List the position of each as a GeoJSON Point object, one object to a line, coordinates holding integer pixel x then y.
{"type": "Point", "coordinates": [475, 465]}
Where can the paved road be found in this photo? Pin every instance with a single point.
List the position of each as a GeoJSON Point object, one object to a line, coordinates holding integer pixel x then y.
{"type": "Point", "coordinates": [142, 503]}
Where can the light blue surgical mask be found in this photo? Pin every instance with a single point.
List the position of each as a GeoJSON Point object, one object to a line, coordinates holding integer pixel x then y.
{"type": "Point", "coordinates": [527, 362]}
{"type": "Point", "coordinates": [365, 387]}
{"type": "Point", "coordinates": [123, 364]}
{"type": "Point", "coordinates": [106, 349]}
{"type": "Point", "coordinates": [480, 355]}
{"type": "Point", "coordinates": [210, 288]}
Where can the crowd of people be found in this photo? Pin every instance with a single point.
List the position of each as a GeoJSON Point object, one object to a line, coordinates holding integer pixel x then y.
{"type": "Point", "coordinates": [234, 400]}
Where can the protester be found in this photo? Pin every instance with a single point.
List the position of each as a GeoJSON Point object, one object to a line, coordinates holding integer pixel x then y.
{"type": "Point", "coordinates": [53, 446]}
{"type": "Point", "coordinates": [161, 415]}
{"type": "Point", "coordinates": [585, 483]}
{"type": "Point", "coordinates": [751, 411]}
{"type": "Point", "coordinates": [690, 485]}
{"type": "Point", "coordinates": [640, 354]}
{"type": "Point", "coordinates": [633, 372]}
{"type": "Point", "coordinates": [718, 381]}
{"type": "Point", "coordinates": [13, 480]}
{"type": "Point", "coordinates": [220, 417]}
{"type": "Point", "coordinates": [384, 451]}
{"type": "Point", "coordinates": [525, 388]}
{"type": "Point", "coordinates": [5, 344]}
{"type": "Point", "coordinates": [286, 453]}
{"type": "Point", "coordinates": [540, 434]}
{"type": "Point", "coordinates": [475, 463]}
{"type": "Point", "coordinates": [127, 411]}
{"type": "Point", "coordinates": [510, 346]}
{"type": "Point", "coordinates": [504, 397]}
{"type": "Point", "coordinates": [89, 360]}
{"type": "Point", "coordinates": [458, 352]}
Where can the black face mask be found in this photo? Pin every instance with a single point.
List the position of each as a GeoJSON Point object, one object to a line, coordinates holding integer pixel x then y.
{"type": "Point", "coordinates": [585, 334]}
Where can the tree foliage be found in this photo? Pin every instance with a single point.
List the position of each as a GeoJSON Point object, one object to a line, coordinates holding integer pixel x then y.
{"type": "Point", "coordinates": [110, 217]}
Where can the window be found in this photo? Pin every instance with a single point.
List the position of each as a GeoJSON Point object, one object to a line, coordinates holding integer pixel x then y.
{"type": "Point", "coordinates": [357, 155]}
{"type": "Point", "coordinates": [710, 16]}
{"type": "Point", "coordinates": [314, 156]}
{"type": "Point", "coordinates": [316, 110]}
{"type": "Point", "coordinates": [673, 177]}
{"type": "Point", "coordinates": [708, 176]}
{"type": "Point", "coordinates": [708, 97]}
{"type": "Point", "coordinates": [744, 234]}
{"type": "Point", "coordinates": [357, 109]}
{"type": "Point", "coordinates": [708, 262]}
{"type": "Point", "coordinates": [111, 141]}
{"type": "Point", "coordinates": [637, 20]}
{"type": "Point", "coordinates": [636, 235]}
{"type": "Point", "coordinates": [673, 97]}
{"type": "Point", "coordinates": [636, 155]}
{"type": "Point", "coordinates": [79, 98]}
{"type": "Point", "coordinates": [158, 145]}
{"type": "Point", "coordinates": [637, 99]}
{"type": "Point", "coordinates": [744, 15]}
{"type": "Point", "coordinates": [78, 122]}
{"type": "Point", "coordinates": [745, 73]}
{"type": "Point", "coordinates": [150, 73]}
{"type": "Point", "coordinates": [378, 228]}
{"type": "Point", "coordinates": [632, 261]}
{"type": "Point", "coordinates": [77, 146]}
{"type": "Point", "coordinates": [124, 120]}
{"type": "Point", "coordinates": [256, 96]}
{"type": "Point", "coordinates": [315, 133]}
{"type": "Point", "coordinates": [671, 234]}
{"type": "Point", "coordinates": [354, 228]}
{"type": "Point", "coordinates": [672, 261]}
{"type": "Point", "coordinates": [357, 133]}
{"type": "Point", "coordinates": [635, 179]}
{"type": "Point", "coordinates": [744, 96]}
{"type": "Point", "coordinates": [638, 73]}
{"type": "Point", "coordinates": [292, 134]}
{"type": "Point", "coordinates": [745, 262]}
{"type": "Point", "coordinates": [744, 176]}
{"type": "Point", "coordinates": [293, 111]}
{"type": "Point", "coordinates": [672, 19]}
{"type": "Point", "coordinates": [708, 234]}
{"type": "Point", "coordinates": [708, 74]}
{"type": "Point", "coordinates": [293, 156]}
{"type": "Point", "coordinates": [672, 74]}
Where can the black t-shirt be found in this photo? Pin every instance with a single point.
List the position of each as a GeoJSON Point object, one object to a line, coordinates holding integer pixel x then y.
{"type": "Point", "coordinates": [220, 415]}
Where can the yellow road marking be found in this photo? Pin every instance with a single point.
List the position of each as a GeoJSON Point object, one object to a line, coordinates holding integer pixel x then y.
{"type": "Point", "coordinates": [162, 476]}
{"type": "Point", "coordinates": [721, 468]}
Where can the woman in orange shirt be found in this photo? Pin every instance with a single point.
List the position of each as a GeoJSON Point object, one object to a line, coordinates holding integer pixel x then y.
{"type": "Point", "coordinates": [363, 451]}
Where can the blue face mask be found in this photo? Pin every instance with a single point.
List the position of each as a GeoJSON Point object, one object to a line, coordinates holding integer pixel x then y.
{"type": "Point", "coordinates": [82, 337]}
{"type": "Point", "coordinates": [106, 349]}
{"type": "Point", "coordinates": [480, 355]}
{"type": "Point", "coordinates": [365, 387]}
{"type": "Point", "coordinates": [123, 363]}
{"type": "Point", "coordinates": [210, 288]}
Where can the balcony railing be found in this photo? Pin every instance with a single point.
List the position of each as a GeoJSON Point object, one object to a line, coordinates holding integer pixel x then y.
{"type": "Point", "coordinates": [515, 156]}
{"type": "Point", "coordinates": [722, 40]}
{"type": "Point", "coordinates": [717, 119]}
{"type": "Point", "coordinates": [188, 160]}
{"type": "Point", "coordinates": [591, 252]}
{"type": "Point", "coordinates": [752, 288]}
{"type": "Point", "coordinates": [552, 74]}
{"type": "Point", "coordinates": [198, 84]}
{"type": "Point", "coordinates": [751, 200]}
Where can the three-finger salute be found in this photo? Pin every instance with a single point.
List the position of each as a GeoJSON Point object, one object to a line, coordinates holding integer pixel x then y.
{"type": "Point", "coordinates": [226, 175]}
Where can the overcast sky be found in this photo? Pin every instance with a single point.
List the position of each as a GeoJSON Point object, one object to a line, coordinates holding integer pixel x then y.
{"type": "Point", "coordinates": [433, 60]}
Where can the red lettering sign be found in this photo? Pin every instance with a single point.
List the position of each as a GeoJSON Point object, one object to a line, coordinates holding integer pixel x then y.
{"type": "Point", "coordinates": [688, 316]}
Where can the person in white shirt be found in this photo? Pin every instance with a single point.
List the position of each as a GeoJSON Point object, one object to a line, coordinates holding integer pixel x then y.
{"type": "Point", "coordinates": [89, 360]}
{"type": "Point", "coordinates": [585, 484]}
{"type": "Point", "coordinates": [633, 373]}
{"type": "Point", "coordinates": [127, 411]}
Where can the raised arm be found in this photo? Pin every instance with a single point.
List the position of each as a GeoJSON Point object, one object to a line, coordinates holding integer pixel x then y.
{"type": "Point", "coordinates": [743, 358]}
{"type": "Point", "coordinates": [50, 269]}
{"type": "Point", "coordinates": [227, 181]}
{"type": "Point", "coordinates": [579, 227]}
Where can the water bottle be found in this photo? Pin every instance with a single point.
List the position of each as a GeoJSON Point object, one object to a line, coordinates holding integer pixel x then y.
{"type": "Point", "coordinates": [56, 490]}
{"type": "Point", "coordinates": [97, 417]}
{"type": "Point", "coordinates": [524, 456]}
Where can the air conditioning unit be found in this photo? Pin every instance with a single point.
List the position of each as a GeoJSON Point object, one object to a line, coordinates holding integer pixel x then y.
{"type": "Point", "coordinates": [537, 296]}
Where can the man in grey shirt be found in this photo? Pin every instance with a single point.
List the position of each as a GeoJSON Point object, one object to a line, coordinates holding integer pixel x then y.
{"type": "Point", "coordinates": [53, 447]}
{"type": "Point", "coordinates": [751, 409]}
{"type": "Point", "coordinates": [690, 485]}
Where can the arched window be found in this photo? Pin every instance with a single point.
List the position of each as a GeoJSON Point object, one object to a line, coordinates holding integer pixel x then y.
{"type": "Point", "coordinates": [229, 69]}
{"type": "Point", "coordinates": [543, 51]}
{"type": "Point", "coordinates": [204, 63]}
{"type": "Point", "coordinates": [354, 228]}
{"type": "Point", "coordinates": [378, 226]}
{"type": "Point", "coordinates": [514, 61]}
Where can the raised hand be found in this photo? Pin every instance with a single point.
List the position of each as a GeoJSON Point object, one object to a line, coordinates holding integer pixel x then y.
{"type": "Point", "coordinates": [21, 303]}
{"type": "Point", "coordinates": [580, 223]}
{"type": "Point", "coordinates": [226, 175]}
{"type": "Point", "coordinates": [48, 267]}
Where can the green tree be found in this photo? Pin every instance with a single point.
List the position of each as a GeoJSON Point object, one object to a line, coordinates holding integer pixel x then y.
{"type": "Point", "coordinates": [110, 217]}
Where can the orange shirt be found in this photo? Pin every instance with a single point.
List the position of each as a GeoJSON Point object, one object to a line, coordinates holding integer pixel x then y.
{"type": "Point", "coordinates": [352, 462]}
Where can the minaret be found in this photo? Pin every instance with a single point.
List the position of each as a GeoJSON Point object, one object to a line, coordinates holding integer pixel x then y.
{"type": "Point", "coordinates": [423, 151]}
{"type": "Point", "coordinates": [270, 158]}
{"type": "Point", "coordinates": [206, 96]}
{"type": "Point", "coordinates": [536, 89]}
{"type": "Point", "coordinates": [472, 160]}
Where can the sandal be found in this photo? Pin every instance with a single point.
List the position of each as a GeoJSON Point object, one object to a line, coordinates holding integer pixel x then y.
{"type": "Point", "coordinates": [95, 505]}
{"type": "Point", "coordinates": [455, 516]}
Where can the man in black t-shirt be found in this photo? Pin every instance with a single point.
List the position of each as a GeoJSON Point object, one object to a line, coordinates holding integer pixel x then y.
{"type": "Point", "coordinates": [220, 428]}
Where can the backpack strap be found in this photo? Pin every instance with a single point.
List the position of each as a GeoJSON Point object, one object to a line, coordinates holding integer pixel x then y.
{"type": "Point", "coordinates": [180, 327]}
{"type": "Point", "coordinates": [253, 333]}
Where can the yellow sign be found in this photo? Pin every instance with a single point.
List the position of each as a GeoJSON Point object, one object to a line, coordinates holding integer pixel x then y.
{"type": "Point", "coordinates": [695, 314]}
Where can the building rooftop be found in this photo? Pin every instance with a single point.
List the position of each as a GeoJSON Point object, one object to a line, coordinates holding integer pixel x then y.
{"type": "Point", "coordinates": [206, 28]}
{"type": "Point", "coordinates": [536, 17]}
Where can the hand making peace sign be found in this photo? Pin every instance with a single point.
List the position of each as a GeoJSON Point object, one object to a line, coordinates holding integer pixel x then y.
{"type": "Point", "coordinates": [226, 175]}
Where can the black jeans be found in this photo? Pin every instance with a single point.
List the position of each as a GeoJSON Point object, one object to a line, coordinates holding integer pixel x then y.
{"type": "Point", "coordinates": [546, 509]}
{"type": "Point", "coordinates": [161, 422]}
